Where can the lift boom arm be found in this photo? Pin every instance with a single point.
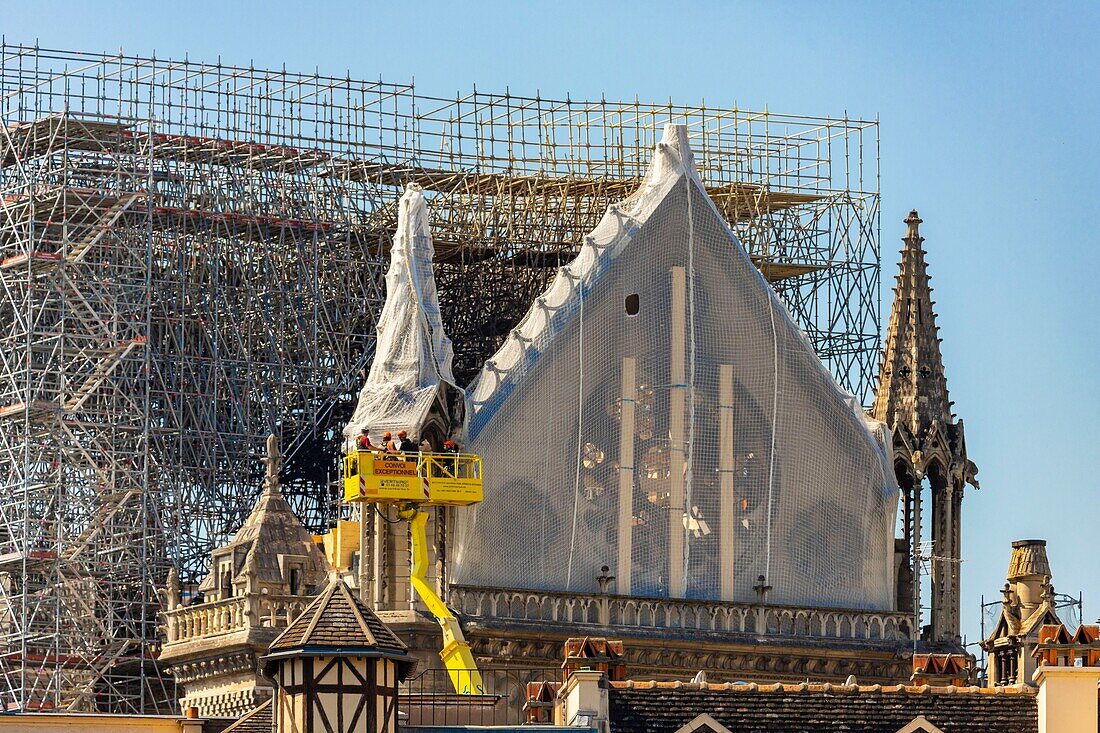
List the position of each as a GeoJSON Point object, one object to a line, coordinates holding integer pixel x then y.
{"type": "Point", "coordinates": [456, 654]}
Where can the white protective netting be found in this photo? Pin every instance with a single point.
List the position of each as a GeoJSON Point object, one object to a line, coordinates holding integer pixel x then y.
{"type": "Point", "coordinates": [413, 355]}
{"type": "Point", "coordinates": [730, 454]}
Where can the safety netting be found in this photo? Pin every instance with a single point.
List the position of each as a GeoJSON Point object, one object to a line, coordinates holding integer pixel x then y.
{"type": "Point", "coordinates": [658, 413]}
{"type": "Point", "coordinates": [412, 359]}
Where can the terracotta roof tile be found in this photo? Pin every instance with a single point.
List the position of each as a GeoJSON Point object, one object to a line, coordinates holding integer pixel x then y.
{"type": "Point", "coordinates": [663, 707]}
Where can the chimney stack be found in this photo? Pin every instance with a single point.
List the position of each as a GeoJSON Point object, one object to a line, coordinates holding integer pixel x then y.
{"type": "Point", "coordinates": [1067, 677]}
{"type": "Point", "coordinates": [1029, 571]}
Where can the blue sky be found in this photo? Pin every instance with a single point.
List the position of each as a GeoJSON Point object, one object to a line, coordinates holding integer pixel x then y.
{"type": "Point", "coordinates": [988, 114]}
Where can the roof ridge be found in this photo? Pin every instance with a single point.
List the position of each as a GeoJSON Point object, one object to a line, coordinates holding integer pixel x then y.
{"type": "Point", "coordinates": [318, 614]}
{"type": "Point", "coordinates": [820, 687]}
{"type": "Point", "coordinates": [346, 593]}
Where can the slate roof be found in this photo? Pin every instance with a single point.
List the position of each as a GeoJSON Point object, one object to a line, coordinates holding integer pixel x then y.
{"type": "Point", "coordinates": [271, 530]}
{"type": "Point", "coordinates": [664, 707]}
{"type": "Point", "coordinates": [256, 720]}
{"type": "Point", "coordinates": [337, 620]}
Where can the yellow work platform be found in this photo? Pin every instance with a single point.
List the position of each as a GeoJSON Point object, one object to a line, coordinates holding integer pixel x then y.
{"type": "Point", "coordinates": [451, 479]}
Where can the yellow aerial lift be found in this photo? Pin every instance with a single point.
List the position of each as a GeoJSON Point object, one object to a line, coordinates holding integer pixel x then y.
{"type": "Point", "coordinates": [409, 482]}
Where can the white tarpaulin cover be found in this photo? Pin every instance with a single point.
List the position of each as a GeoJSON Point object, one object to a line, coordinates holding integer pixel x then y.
{"type": "Point", "coordinates": [412, 355]}
{"type": "Point", "coordinates": [659, 412]}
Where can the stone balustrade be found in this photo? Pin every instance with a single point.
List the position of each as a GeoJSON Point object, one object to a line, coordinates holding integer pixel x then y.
{"type": "Point", "coordinates": [689, 615]}
{"type": "Point", "coordinates": [230, 615]}
{"type": "Point", "coordinates": [280, 611]}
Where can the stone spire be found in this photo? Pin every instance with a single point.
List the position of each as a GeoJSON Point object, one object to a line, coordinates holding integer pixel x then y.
{"type": "Point", "coordinates": [928, 443]}
{"type": "Point", "coordinates": [912, 385]}
{"type": "Point", "coordinates": [271, 551]}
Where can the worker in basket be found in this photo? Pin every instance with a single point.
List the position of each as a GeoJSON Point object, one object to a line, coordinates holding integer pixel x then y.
{"type": "Point", "coordinates": [387, 442]}
{"type": "Point", "coordinates": [406, 446]}
{"type": "Point", "coordinates": [450, 449]}
{"type": "Point", "coordinates": [363, 441]}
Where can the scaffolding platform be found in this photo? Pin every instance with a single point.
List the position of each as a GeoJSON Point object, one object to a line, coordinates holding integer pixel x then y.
{"type": "Point", "coordinates": [27, 409]}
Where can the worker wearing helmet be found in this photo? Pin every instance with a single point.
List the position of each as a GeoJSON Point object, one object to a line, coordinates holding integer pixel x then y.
{"type": "Point", "coordinates": [451, 451]}
{"type": "Point", "coordinates": [363, 441]}
{"type": "Point", "coordinates": [387, 442]}
{"type": "Point", "coordinates": [405, 445]}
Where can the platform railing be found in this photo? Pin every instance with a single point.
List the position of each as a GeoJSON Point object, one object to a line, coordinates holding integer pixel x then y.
{"type": "Point", "coordinates": [431, 464]}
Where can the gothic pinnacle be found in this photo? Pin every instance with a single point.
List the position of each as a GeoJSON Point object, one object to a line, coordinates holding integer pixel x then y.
{"type": "Point", "coordinates": [914, 221]}
{"type": "Point", "coordinates": [273, 461]}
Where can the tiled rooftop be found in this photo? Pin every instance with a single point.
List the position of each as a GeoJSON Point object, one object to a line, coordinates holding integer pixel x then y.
{"type": "Point", "coordinates": [256, 720]}
{"type": "Point", "coordinates": [337, 619]}
{"type": "Point", "coordinates": [664, 707]}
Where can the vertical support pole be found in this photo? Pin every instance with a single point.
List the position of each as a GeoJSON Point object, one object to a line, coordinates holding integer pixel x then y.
{"type": "Point", "coordinates": [442, 540]}
{"type": "Point", "coordinates": [676, 462]}
{"type": "Point", "coordinates": [365, 557]}
{"type": "Point", "coordinates": [918, 490]}
{"type": "Point", "coordinates": [956, 518]}
{"type": "Point", "coordinates": [947, 574]}
{"type": "Point", "coordinates": [379, 560]}
{"type": "Point", "coordinates": [626, 476]}
{"type": "Point", "coordinates": [945, 552]}
{"type": "Point", "coordinates": [727, 501]}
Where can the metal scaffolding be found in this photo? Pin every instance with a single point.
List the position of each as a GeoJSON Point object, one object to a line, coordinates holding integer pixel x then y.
{"type": "Point", "coordinates": [192, 257]}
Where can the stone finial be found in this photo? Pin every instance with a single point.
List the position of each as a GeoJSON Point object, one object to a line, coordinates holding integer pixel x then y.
{"type": "Point", "coordinates": [172, 588]}
{"type": "Point", "coordinates": [274, 462]}
{"type": "Point", "coordinates": [604, 579]}
{"type": "Point", "coordinates": [914, 221]}
{"type": "Point", "coordinates": [762, 589]}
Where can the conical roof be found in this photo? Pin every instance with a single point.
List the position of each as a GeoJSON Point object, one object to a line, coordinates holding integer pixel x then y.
{"type": "Point", "coordinates": [912, 387]}
{"type": "Point", "coordinates": [339, 623]}
{"type": "Point", "coordinates": [741, 449]}
{"type": "Point", "coordinates": [272, 529]}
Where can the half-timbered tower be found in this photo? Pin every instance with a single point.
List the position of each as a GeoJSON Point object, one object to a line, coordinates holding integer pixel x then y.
{"type": "Point", "coordinates": [336, 668]}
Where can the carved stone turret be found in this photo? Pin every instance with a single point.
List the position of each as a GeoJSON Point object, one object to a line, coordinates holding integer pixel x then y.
{"type": "Point", "coordinates": [929, 444]}
{"type": "Point", "coordinates": [257, 585]}
{"type": "Point", "coordinates": [1027, 606]}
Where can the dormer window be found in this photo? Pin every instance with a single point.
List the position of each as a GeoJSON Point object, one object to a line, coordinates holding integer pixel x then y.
{"type": "Point", "coordinates": [225, 579]}
{"type": "Point", "coordinates": [295, 579]}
